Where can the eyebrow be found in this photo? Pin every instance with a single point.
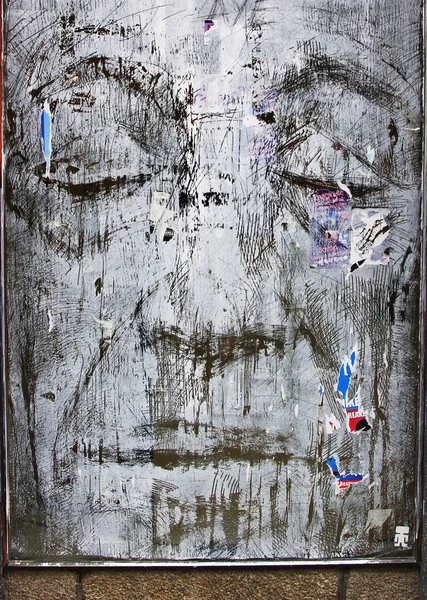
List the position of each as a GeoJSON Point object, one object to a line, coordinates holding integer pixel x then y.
{"type": "Point", "coordinates": [90, 190]}
{"type": "Point", "coordinates": [320, 68]}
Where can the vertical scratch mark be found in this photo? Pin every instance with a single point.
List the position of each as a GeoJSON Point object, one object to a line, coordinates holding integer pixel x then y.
{"type": "Point", "coordinates": [320, 432]}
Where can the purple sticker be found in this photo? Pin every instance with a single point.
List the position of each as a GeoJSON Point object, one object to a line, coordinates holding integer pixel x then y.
{"type": "Point", "coordinates": [329, 229]}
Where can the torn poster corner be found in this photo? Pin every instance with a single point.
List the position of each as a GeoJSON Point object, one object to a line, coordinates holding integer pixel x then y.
{"type": "Point", "coordinates": [208, 25]}
{"type": "Point", "coordinates": [356, 417]}
{"type": "Point", "coordinates": [343, 481]}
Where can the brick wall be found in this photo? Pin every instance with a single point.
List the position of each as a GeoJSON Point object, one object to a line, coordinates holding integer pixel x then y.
{"type": "Point", "coordinates": [385, 583]}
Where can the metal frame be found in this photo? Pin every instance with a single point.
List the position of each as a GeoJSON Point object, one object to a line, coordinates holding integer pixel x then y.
{"type": "Point", "coordinates": [420, 544]}
{"type": "Point", "coordinates": [422, 458]}
{"type": "Point", "coordinates": [213, 564]}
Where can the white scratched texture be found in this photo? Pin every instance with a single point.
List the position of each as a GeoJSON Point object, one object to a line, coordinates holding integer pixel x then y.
{"type": "Point", "coordinates": [167, 334]}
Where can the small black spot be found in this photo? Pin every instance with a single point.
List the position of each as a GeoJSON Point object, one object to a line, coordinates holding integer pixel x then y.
{"type": "Point", "coordinates": [72, 170]}
{"type": "Point", "coordinates": [216, 198]}
{"type": "Point", "coordinates": [98, 286]}
{"type": "Point", "coordinates": [363, 425]}
{"type": "Point", "coordinates": [168, 235]}
{"type": "Point", "coordinates": [393, 132]}
{"type": "Point", "coordinates": [267, 117]}
{"type": "Point", "coordinates": [356, 265]}
{"type": "Point", "coordinates": [185, 200]}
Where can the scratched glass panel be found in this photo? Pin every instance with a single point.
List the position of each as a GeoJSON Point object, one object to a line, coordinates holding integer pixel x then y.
{"type": "Point", "coordinates": [212, 251]}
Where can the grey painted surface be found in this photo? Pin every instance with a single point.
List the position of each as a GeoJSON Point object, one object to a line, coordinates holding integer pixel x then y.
{"type": "Point", "coordinates": [170, 318]}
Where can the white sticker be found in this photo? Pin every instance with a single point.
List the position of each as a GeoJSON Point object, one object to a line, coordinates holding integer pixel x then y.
{"type": "Point", "coordinates": [401, 537]}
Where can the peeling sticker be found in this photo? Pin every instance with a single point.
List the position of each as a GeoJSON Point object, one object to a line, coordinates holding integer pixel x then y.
{"type": "Point", "coordinates": [46, 135]}
{"type": "Point", "coordinates": [370, 229]}
{"type": "Point", "coordinates": [356, 417]}
{"type": "Point", "coordinates": [344, 377]}
{"type": "Point", "coordinates": [329, 229]}
{"type": "Point", "coordinates": [343, 481]}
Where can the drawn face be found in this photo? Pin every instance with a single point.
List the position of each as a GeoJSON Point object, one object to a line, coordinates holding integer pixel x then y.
{"type": "Point", "coordinates": [174, 238]}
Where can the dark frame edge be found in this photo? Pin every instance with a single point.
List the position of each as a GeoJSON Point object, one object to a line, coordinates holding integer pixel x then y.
{"type": "Point", "coordinates": [422, 462]}
{"type": "Point", "coordinates": [3, 445]}
{"type": "Point", "coordinates": [3, 395]}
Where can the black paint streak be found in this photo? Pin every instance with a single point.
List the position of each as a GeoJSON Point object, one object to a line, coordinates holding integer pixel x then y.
{"type": "Point", "coordinates": [92, 190]}
{"type": "Point", "coordinates": [217, 350]}
{"type": "Point", "coordinates": [215, 198]}
{"type": "Point", "coordinates": [28, 382]}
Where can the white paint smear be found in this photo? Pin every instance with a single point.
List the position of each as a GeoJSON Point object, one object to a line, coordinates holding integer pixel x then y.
{"type": "Point", "coordinates": [370, 154]}
{"type": "Point", "coordinates": [158, 210]}
{"type": "Point", "coordinates": [344, 188]}
{"type": "Point", "coordinates": [377, 517]}
{"type": "Point", "coordinates": [107, 327]}
{"type": "Point", "coordinates": [332, 423]}
{"type": "Point", "coordinates": [385, 360]}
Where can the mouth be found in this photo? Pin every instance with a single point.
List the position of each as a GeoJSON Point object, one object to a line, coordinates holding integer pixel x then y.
{"type": "Point", "coordinates": [206, 445]}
